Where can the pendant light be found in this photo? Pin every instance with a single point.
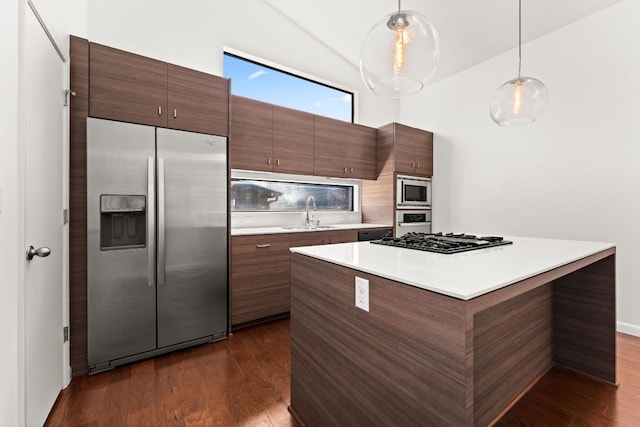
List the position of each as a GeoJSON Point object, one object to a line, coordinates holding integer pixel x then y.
{"type": "Point", "coordinates": [522, 100]}
{"type": "Point", "coordinates": [400, 54]}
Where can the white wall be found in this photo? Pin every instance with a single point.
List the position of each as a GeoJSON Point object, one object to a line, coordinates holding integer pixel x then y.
{"type": "Point", "coordinates": [9, 214]}
{"type": "Point", "coordinates": [192, 33]}
{"type": "Point", "coordinates": [574, 174]}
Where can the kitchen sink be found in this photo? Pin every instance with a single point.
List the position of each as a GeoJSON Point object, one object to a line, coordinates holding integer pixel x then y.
{"type": "Point", "coordinates": [304, 227]}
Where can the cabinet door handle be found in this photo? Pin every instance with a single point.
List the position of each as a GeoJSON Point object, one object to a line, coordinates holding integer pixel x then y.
{"type": "Point", "coordinates": [266, 245]}
{"type": "Point", "coordinates": [159, 110]}
{"type": "Point", "coordinates": [345, 170]}
{"type": "Point", "coordinates": [417, 165]}
{"type": "Point", "coordinates": [175, 113]}
{"type": "Point", "coordinates": [268, 160]}
{"type": "Point", "coordinates": [413, 164]}
{"type": "Point", "coordinates": [278, 162]}
{"type": "Point", "coordinates": [330, 241]}
{"type": "Point", "coordinates": [351, 170]}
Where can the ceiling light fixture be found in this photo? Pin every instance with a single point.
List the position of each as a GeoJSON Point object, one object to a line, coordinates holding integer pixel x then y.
{"type": "Point", "coordinates": [400, 54]}
{"type": "Point", "coordinates": [522, 100]}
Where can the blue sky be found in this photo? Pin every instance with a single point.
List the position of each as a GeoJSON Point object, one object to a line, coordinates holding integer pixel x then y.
{"type": "Point", "coordinates": [265, 84]}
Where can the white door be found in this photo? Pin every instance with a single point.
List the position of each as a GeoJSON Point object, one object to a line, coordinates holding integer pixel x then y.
{"type": "Point", "coordinates": [43, 288]}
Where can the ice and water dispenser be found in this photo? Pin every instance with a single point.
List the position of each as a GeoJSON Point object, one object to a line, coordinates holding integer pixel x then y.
{"type": "Point", "coordinates": [123, 221]}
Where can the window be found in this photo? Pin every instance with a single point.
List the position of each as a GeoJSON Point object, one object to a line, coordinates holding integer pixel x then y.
{"type": "Point", "coordinates": [280, 196]}
{"type": "Point", "coordinates": [254, 80]}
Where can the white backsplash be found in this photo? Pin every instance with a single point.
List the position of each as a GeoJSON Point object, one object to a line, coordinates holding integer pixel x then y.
{"type": "Point", "coordinates": [279, 219]}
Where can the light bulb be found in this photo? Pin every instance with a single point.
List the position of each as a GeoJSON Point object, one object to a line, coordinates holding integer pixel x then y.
{"type": "Point", "coordinates": [398, 54]}
{"type": "Point", "coordinates": [517, 97]}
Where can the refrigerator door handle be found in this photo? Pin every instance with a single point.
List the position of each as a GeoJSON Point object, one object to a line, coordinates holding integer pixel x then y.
{"type": "Point", "coordinates": [161, 248]}
{"type": "Point", "coordinates": [151, 222]}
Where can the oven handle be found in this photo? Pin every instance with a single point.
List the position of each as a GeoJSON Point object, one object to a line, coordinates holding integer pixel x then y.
{"type": "Point", "coordinates": [413, 224]}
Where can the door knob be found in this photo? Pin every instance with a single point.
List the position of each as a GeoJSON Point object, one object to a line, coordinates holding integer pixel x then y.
{"type": "Point", "coordinates": [41, 252]}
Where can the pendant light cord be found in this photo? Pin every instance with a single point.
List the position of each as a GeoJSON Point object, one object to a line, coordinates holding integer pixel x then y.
{"type": "Point", "coordinates": [519, 37]}
{"type": "Point", "coordinates": [399, 6]}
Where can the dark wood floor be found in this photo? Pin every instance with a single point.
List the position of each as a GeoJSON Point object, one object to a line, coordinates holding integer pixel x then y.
{"type": "Point", "coordinates": [566, 398]}
{"type": "Point", "coordinates": [244, 381]}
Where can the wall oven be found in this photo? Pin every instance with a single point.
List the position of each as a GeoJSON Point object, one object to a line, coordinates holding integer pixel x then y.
{"type": "Point", "coordinates": [416, 221]}
{"type": "Point", "coordinates": [413, 192]}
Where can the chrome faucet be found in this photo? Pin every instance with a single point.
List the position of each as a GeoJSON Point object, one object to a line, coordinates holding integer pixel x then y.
{"type": "Point", "coordinates": [307, 220]}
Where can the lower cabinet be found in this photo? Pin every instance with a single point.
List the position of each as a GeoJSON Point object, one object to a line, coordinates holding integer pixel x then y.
{"type": "Point", "coordinates": [313, 238]}
{"type": "Point", "coordinates": [260, 270]}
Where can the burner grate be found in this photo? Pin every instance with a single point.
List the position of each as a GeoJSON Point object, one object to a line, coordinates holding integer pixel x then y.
{"type": "Point", "coordinates": [449, 243]}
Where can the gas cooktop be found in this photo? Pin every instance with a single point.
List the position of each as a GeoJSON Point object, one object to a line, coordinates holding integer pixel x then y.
{"type": "Point", "coordinates": [449, 243]}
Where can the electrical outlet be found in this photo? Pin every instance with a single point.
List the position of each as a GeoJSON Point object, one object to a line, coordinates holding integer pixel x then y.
{"type": "Point", "coordinates": [362, 293]}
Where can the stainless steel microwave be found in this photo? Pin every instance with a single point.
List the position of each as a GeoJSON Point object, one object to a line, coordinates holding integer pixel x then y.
{"type": "Point", "coordinates": [413, 192]}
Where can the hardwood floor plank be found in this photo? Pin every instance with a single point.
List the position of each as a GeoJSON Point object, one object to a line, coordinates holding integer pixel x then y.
{"type": "Point", "coordinates": [591, 402]}
{"type": "Point", "coordinates": [531, 410]}
{"type": "Point", "coordinates": [592, 421]}
{"type": "Point", "coordinates": [244, 381]}
{"type": "Point", "coordinates": [558, 392]}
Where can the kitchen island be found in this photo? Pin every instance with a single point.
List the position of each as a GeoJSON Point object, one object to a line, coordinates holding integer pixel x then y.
{"type": "Point", "coordinates": [448, 339]}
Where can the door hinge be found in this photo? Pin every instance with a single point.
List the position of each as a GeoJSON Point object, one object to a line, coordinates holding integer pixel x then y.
{"type": "Point", "coordinates": [65, 216]}
{"type": "Point", "coordinates": [65, 333]}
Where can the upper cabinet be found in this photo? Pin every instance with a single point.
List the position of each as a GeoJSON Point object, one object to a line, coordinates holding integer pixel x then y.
{"type": "Point", "coordinates": [344, 150]}
{"type": "Point", "coordinates": [413, 150]}
{"type": "Point", "coordinates": [263, 137]}
{"type": "Point", "coordinates": [132, 88]}
{"type": "Point", "coordinates": [361, 151]}
{"type": "Point", "coordinates": [292, 141]}
{"type": "Point", "coordinates": [250, 135]}
{"type": "Point", "coordinates": [197, 101]}
{"type": "Point", "coordinates": [266, 137]}
{"type": "Point", "coordinates": [127, 87]}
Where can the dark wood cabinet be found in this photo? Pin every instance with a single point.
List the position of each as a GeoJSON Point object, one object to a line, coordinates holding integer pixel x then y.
{"type": "Point", "coordinates": [424, 156]}
{"type": "Point", "coordinates": [313, 238]}
{"type": "Point", "coordinates": [132, 88]}
{"type": "Point", "coordinates": [413, 150]}
{"type": "Point", "coordinates": [270, 138]}
{"type": "Point", "coordinates": [197, 101]}
{"type": "Point", "coordinates": [329, 149]}
{"type": "Point", "coordinates": [260, 271]}
{"type": "Point", "coordinates": [343, 150]}
{"type": "Point", "coordinates": [292, 141]}
{"type": "Point", "coordinates": [127, 87]}
{"type": "Point", "coordinates": [267, 137]}
{"type": "Point", "coordinates": [250, 134]}
{"type": "Point", "coordinates": [78, 112]}
{"type": "Point", "coordinates": [361, 151]}
{"type": "Point", "coordinates": [259, 276]}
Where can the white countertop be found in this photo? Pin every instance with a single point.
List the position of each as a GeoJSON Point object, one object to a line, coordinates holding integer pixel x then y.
{"type": "Point", "coordinates": [465, 275]}
{"type": "Point", "coordinates": [276, 230]}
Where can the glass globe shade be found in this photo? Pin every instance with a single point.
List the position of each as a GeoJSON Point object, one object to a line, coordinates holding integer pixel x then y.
{"type": "Point", "coordinates": [399, 55]}
{"type": "Point", "coordinates": [519, 102]}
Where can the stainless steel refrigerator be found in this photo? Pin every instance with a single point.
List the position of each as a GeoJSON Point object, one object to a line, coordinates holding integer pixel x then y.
{"type": "Point", "coordinates": [156, 241]}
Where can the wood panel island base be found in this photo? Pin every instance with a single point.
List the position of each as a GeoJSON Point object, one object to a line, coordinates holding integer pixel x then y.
{"type": "Point", "coordinates": [448, 339]}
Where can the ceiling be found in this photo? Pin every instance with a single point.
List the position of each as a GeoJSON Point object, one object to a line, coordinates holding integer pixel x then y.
{"type": "Point", "coordinates": [471, 31]}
